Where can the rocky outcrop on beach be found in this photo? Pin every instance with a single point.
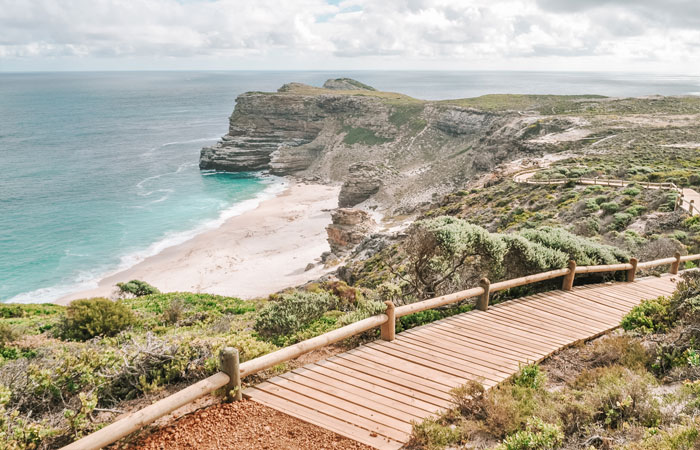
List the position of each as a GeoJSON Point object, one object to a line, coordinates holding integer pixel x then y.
{"type": "Point", "coordinates": [362, 181]}
{"type": "Point", "coordinates": [349, 228]}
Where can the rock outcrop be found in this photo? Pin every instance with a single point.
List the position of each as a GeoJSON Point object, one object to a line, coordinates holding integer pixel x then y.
{"type": "Point", "coordinates": [388, 150]}
{"type": "Point", "coordinates": [362, 181]}
{"type": "Point", "coordinates": [348, 229]}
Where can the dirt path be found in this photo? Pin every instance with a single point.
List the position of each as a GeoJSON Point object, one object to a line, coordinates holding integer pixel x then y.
{"type": "Point", "coordinates": [244, 425]}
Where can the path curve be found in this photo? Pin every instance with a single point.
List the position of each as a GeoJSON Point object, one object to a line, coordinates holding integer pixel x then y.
{"type": "Point", "coordinates": [689, 198]}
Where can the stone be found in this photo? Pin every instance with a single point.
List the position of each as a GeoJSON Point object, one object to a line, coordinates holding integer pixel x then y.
{"type": "Point", "coordinates": [349, 228]}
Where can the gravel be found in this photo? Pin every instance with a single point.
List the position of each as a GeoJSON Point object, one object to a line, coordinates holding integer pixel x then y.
{"type": "Point", "coordinates": [243, 425]}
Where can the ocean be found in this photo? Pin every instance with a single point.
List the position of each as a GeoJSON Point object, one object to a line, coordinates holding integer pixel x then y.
{"type": "Point", "coordinates": [99, 170]}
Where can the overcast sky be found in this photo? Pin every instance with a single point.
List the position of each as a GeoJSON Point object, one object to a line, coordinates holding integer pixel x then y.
{"type": "Point", "coordinates": [617, 35]}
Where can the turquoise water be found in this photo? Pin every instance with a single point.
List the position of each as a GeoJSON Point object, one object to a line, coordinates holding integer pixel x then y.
{"type": "Point", "coordinates": [99, 170]}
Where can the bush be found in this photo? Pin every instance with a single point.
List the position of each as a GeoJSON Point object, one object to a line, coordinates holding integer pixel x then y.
{"type": "Point", "coordinates": [7, 334]}
{"type": "Point", "coordinates": [137, 288]}
{"type": "Point", "coordinates": [610, 207]}
{"type": "Point", "coordinates": [650, 316]}
{"type": "Point", "coordinates": [92, 317]}
{"type": "Point", "coordinates": [636, 210]}
{"type": "Point", "coordinates": [620, 221]}
{"type": "Point", "coordinates": [584, 251]}
{"type": "Point", "coordinates": [537, 436]}
{"type": "Point", "coordinates": [292, 312]}
{"type": "Point", "coordinates": [631, 191]}
{"type": "Point", "coordinates": [530, 376]}
{"type": "Point", "coordinates": [174, 311]}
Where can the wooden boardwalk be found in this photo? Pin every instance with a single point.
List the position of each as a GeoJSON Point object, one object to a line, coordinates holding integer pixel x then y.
{"type": "Point", "coordinates": [373, 393]}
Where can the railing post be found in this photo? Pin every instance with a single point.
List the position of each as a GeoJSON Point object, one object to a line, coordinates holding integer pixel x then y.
{"type": "Point", "coordinates": [388, 329]}
{"type": "Point", "coordinates": [633, 271]}
{"type": "Point", "coordinates": [230, 365]}
{"type": "Point", "coordinates": [690, 208]}
{"type": "Point", "coordinates": [482, 304]}
{"type": "Point", "coordinates": [676, 264]}
{"type": "Point", "coordinates": [568, 282]}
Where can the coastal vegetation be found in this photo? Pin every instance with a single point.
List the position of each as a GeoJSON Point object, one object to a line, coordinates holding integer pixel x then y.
{"type": "Point", "coordinates": [634, 389]}
{"type": "Point", "coordinates": [68, 370]}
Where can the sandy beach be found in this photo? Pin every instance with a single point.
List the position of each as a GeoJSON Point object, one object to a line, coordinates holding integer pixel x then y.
{"type": "Point", "coordinates": [251, 255]}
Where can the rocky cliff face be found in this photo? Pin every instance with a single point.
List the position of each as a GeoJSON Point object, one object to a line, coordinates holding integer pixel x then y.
{"type": "Point", "coordinates": [388, 150]}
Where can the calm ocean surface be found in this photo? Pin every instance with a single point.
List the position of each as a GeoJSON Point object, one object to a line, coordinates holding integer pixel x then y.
{"type": "Point", "coordinates": [99, 170]}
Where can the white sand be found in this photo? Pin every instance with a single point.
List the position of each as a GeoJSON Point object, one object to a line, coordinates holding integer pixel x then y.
{"type": "Point", "coordinates": [252, 255]}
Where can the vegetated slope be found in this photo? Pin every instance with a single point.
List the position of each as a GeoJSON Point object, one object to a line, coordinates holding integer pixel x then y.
{"type": "Point", "coordinates": [637, 389]}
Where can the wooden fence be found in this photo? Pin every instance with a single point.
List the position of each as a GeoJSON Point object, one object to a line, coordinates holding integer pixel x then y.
{"type": "Point", "coordinates": [680, 200]}
{"type": "Point", "coordinates": [232, 371]}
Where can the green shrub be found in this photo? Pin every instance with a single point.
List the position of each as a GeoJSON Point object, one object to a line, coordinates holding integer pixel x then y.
{"type": "Point", "coordinates": [592, 205]}
{"type": "Point", "coordinates": [650, 316]}
{"type": "Point", "coordinates": [8, 333]}
{"type": "Point", "coordinates": [137, 288]}
{"type": "Point", "coordinates": [537, 435]}
{"type": "Point", "coordinates": [584, 251]}
{"type": "Point", "coordinates": [292, 312]}
{"type": "Point", "coordinates": [530, 376]}
{"type": "Point", "coordinates": [620, 221]}
{"type": "Point", "coordinates": [610, 207]}
{"type": "Point", "coordinates": [679, 437]}
{"type": "Point", "coordinates": [631, 191]}
{"type": "Point", "coordinates": [92, 317]}
{"type": "Point", "coordinates": [636, 210]}
{"type": "Point", "coordinates": [431, 434]}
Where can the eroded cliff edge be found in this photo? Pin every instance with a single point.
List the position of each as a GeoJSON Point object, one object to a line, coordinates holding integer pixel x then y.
{"type": "Point", "coordinates": [389, 150]}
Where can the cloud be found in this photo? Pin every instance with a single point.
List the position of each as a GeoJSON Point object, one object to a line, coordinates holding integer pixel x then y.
{"type": "Point", "coordinates": [420, 33]}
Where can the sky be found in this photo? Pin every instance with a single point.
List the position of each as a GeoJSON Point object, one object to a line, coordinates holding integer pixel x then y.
{"type": "Point", "coordinates": [577, 35]}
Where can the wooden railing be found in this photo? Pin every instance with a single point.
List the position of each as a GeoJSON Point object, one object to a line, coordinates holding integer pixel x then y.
{"type": "Point", "coordinates": [233, 371]}
{"type": "Point", "coordinates": [680, 200]}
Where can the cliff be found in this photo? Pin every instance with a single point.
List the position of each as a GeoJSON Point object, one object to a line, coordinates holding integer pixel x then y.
{"type": "Point", "coordinates": [389, 150]}
{"type": "Point", "coordinates": [398, 154]}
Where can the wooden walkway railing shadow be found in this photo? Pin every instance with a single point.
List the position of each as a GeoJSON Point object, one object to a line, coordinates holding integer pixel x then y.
{"type": "Point", "coordinates": [374, 392]}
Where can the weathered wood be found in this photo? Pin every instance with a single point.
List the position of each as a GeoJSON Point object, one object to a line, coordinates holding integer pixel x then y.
{"type": "Point", "coordinates": [676, 264]}
{"type": "Point", "coordinates": [296, 350]}
{"type": "Point", "coordinates": [437, 302]}
{"type": "Point", "coordinates": [508, 284]}
{"type": "Point", "coordinates": [655, 263]}
{"type": "Point", "coordinates": [482, 304]}
{"type": "Point", "coordinates": [230, 365]}
{"type": "Point", "coordinates": [568, 282]}
{"type": "Point", "coordinates": [603, 268]}
{"type": "Point", "coordinates": [388, 329]}
{"type": "Point", "coordinates": [632, 271]}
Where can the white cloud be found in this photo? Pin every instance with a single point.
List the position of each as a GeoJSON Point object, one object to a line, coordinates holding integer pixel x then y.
{"type": "Point", "coordinates": [421, 34]}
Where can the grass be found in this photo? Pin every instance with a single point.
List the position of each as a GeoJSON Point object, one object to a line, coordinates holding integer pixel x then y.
{"type": "Point", "coordinates": [363, 136]}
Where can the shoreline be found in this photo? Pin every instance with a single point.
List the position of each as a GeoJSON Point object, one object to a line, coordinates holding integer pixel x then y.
{"type": "Point", "coordinates": [254, 254]}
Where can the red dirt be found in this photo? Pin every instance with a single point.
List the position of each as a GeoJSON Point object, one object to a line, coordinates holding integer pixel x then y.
{"type": "Point", "coordinates": [243, 425]}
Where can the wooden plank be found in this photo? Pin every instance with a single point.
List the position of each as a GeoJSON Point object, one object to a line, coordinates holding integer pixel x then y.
{"type": "Point", "coordinates": [401, 350]}
{"type": "Point", "coordinates": [344, 428]}
{"type": "Point", "coordinates": [455, 352]}
{"type": "Point", "coordinates": [364, 406]}
{"type": "Point", "coordinates": [487, 341]}
{"type": "Point", "coordinates": [537, 325]}
{"type": "Point", "coordinates": [345, 413]}
{"type": "Point", "coordinates": [440, 374]}
{"type": "Point", "coordinates": [515, 331]}
{"type": "Point", "coordinates": [583, 311]}
{"type": "Point", "coordinates": [548, 316]}
{"type": "Point", "coordinates": [399, 392]}
{"type": "Point", "coordinates": [385, 365]}
{"type": "Point", "coordinates": [421, 394]}
{"type": "Point", "coordinates": [483, 333]}
{"type": "Point", "coordinates": [476, 348]}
